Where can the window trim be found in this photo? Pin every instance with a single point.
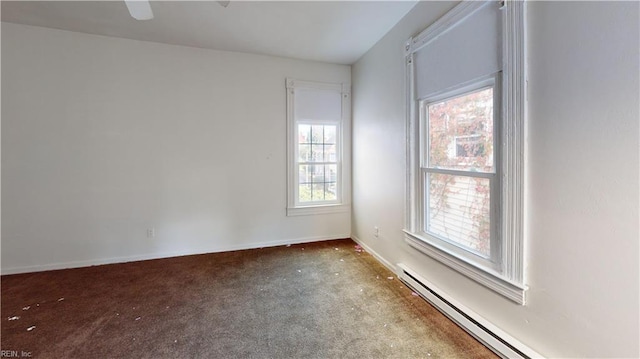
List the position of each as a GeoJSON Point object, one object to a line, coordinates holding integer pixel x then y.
{"type": "Point", "coordinates": [509, 279]}
{"type": "Point", "coordinates": [343, 135]}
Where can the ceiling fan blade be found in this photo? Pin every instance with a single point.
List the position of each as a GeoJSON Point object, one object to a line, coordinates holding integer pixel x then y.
{"type": "Point", "coordinates": [224, 3]}
{"type": "Point", "coordinates": [139, 9]}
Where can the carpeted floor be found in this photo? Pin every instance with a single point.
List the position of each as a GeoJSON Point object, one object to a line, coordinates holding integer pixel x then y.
{"type": "Point", "coordinates": [321, 300]}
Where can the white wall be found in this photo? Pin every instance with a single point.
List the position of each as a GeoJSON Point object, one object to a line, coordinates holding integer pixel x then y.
{"type": "Point", "coordinates": [103, 138]}
{"type": "Point", "coordinates": [582, 177]}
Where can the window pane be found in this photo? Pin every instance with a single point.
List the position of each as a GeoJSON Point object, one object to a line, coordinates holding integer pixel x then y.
{"type": "Point", "coordinates": [317, 134]}
{"type": "Point", "coordinates": [317, 174]}
{"type": "Point", "coordinates": [318, 192]}
{"type": "Point", "coordinates": [304, 134]}
{"type": "Point", "coordinates": [461, 132]}
{"type": "Point", "coordinates": [331, 173]}
{"type": "Point", "coordinates": [317, 154]}
{"type": "Point", "coordinates": [330, 153]}
{"type": "Point", "coordinates": [304, 193]}
{"type": "Point", "coordinates": [458, 210]}
{"type": "Point", "coordinates": [329, 134]}
{"type": "Point", "coordinates": [330, 191]}
{"type": "Point", "coordinates": [304, 175]}
{"type": "Point", "coordinates": [304, 153]}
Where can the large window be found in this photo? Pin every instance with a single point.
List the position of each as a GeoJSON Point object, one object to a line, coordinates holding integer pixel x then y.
{"type": "Point", "coordinates": [318, 171]}
{"type": "Point", "coordinates": [465, 82]}
{"type": "Point", "coordinates": [459, 172]}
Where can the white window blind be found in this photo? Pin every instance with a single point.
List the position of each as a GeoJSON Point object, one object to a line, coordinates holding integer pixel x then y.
{"type": "Point", "coordinates": [318, 106]}
{"type": "Point", "coordinates": [470, 50]}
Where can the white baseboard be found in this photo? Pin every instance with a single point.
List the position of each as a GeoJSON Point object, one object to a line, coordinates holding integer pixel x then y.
{"type": "Point", "coordinates": [375, 254]}
{"type": "Point", "coordinates": [491, 336]}
{"type": "Point", "coordinates": [142, 257]}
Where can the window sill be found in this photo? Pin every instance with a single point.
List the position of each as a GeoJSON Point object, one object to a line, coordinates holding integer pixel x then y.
{"type": "Point", "coordinates": [492, 280]}
{"type": "Point", "coordinates": [321, 209]}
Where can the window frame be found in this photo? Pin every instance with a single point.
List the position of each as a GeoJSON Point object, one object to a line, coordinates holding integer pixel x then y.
{"type": "Point", "coordinates": [491, 261]}
{"type": "Point", "coordinates": [343, 164]}
{"type": "Point", "coordinates": [508, 277]}
{"type": "Point", "coordinates": [297, 165]}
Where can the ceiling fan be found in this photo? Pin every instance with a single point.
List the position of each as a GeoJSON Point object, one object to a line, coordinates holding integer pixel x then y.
{"type": "Point", "coordinates": [141, 9]}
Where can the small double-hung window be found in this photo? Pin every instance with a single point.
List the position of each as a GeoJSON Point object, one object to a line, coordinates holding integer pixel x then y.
{"type": "Point", "coordinates": [317, 163]}
{"type": "Point", "coordinates": [317, 124]}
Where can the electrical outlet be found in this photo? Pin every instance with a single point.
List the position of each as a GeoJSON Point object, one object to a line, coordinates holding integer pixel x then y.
{"type": "Point", "coordinates": [151, 232]}
{"type": "Point", "coordinates": [376, 231]}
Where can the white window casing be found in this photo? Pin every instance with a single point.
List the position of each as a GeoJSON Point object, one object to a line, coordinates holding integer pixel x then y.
{"type": "Point", "coordinates": [476, 44]}
{"type": "Point", "coordinates": [321, 108]}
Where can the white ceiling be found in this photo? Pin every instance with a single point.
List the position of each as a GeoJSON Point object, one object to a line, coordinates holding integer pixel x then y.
{"type": "Point", "coordinates": [329, 31]}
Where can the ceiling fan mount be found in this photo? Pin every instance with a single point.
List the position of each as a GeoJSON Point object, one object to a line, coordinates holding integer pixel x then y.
{"type": "Point", "coordinates": [141, 9]}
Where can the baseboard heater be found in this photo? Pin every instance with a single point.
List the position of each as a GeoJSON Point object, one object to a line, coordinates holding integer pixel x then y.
{"type": "Point", "coordinates": [495, 339]}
